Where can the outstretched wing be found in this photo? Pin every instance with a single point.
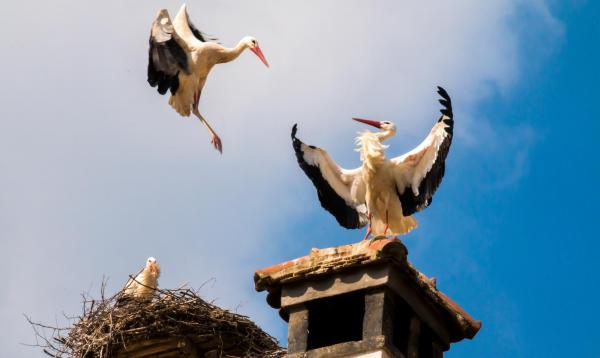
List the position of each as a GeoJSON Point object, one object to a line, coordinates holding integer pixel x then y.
{"type": "Point", "coordinates": [186, 29]}
{"type": "Point", "coordinates": [334, 185]}
{"type": "Point", "coordinates": [199, 34]}
{"type": "Point", "coordinates": [166, 57]}
{"type": "Point", "coordinates": [419, 172]}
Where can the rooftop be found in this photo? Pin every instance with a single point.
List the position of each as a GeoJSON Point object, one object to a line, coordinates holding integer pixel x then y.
{"type": "Point", "coordinates": [321, 263]}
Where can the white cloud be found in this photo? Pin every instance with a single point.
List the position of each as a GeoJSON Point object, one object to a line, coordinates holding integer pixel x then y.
{"type": "Point", "coordinates": [98, 172]}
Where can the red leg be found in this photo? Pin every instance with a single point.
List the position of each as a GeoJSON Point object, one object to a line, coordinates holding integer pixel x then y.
{"type": "Point", "coordinates": [196, 99]}
{"type": "Point", "coordinates": [368, 229]}
{"type": "Point", "coordinates": [387, 224]}
{"type": "Point", "coordinates": [368, 233]}
{"type": "Point", "coordinates": [215, 140]}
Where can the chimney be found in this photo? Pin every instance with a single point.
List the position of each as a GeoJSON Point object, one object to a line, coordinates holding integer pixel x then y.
{"type": "Point", "coordinates": [363, 300]}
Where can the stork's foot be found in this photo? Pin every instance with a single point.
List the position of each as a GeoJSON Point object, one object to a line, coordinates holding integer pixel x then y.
{"type": "Point", "coordinates": [216, 142]}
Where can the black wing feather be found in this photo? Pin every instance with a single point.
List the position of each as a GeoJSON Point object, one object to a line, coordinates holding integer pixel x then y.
{"type": "Point", "coordinates": [166, 58]}
{"type": "Point", "coordinates": [199, 34]}
{"type": "Point", "coordinates": [411, 203]}
{"type": "Point", "coordinates": [346, 215]}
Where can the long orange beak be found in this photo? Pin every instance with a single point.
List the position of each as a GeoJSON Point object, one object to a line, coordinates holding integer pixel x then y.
{"type": "Point", "coordinates": [260, 55]}
{"type": "Point", "coordinates": [369, 122]}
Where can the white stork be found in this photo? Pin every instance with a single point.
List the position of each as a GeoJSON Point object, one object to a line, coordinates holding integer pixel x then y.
{"type": "Point", "coordinates": [382, 193]}
{"type": "Point", "coordinates": [180, 59]}
{"type": "Point", "coordinates": [144, 284]}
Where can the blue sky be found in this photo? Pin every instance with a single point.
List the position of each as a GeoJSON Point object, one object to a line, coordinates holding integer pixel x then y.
{"type": "Point", "coordinates": [539, 270]}
{"type": "Point", "coordinates": [98, 173]}
{"type": "Point", "coordinates": [536, 270]}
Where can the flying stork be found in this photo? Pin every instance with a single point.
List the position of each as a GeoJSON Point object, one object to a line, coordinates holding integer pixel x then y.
{"type": "Point", "coordinates": [382, 193]}
{"type": "Point", "coordinates": [143, 285]}
{"type": "Point", "coordinates": [180, 58]}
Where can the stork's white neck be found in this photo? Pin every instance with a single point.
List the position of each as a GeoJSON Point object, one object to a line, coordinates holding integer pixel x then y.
{"type": "Point", "coordinates": [372, 152]}
{"type": "Point", "coordinates": [386, 134]}
{"type": "Point", "coordinates": [231, 53]}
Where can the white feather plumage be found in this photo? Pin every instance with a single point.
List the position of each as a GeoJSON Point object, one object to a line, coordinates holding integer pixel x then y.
{"type": "Point", "coordinates": [145, 283]}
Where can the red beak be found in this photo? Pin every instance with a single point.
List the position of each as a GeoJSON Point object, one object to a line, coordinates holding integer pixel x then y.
{"type": "Point", "coordinates": [260, 55]}
{"type": "Point", "coordinates": [369, 122]}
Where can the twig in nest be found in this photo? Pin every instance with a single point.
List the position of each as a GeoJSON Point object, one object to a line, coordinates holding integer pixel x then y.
{"type": "Point", "coordinates": [109, 325]}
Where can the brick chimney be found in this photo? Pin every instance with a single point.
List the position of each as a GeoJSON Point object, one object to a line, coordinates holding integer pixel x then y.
{"type": "Point", "coordinates": [363, 300]}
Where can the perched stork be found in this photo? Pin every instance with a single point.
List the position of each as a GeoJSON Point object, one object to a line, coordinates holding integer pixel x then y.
{"type": "Point", "coordinates": [382, 193]}
{"type": "Point", "coordinates": [180, 59]}
{"type": "Point", "coordinates": [144, 284]}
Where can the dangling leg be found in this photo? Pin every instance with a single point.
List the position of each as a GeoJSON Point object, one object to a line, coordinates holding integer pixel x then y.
{"type": "Point", "coordinates": [368, 229]}
{"type": "Point", "coordinates": [215, 140]}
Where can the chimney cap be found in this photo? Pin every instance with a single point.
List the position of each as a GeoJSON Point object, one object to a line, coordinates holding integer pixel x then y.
{"type": "Point", "coordinates": [321, 263]}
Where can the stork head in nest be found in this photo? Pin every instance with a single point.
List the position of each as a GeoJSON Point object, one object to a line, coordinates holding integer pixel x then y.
{"type": "Point", "coordinates": [153, 267]}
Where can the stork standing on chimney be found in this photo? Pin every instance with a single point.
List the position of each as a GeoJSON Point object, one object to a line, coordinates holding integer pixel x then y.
{"type": "Point", "coordinates": [180, 59]}
{"type": "Point", "coordinates": [382, 193]}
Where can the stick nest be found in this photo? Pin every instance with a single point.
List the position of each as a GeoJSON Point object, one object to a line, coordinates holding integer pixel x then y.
{"type": "Point", "coordinates": [110, 326]}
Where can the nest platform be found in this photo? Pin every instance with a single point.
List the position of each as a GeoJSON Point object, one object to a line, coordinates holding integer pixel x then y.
{"type": "Point", "coordinates": [175, 323]}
